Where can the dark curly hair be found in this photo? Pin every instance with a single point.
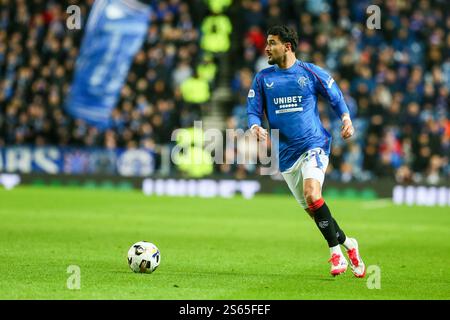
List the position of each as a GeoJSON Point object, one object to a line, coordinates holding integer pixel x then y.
{"type": "Point", "coordinates": [285, 34]}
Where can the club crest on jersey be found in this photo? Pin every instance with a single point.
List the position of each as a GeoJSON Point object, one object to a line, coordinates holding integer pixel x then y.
{"type": "Point", "coordinates": [251, 93]}
{"type": "Point", "coordinates": [302, 81]}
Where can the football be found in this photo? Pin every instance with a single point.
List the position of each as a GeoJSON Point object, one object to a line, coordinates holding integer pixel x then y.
{"type": "Point", "coordinates": [143, 257]}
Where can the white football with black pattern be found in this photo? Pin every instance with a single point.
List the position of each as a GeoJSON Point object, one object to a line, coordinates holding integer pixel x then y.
{"type": "Point", "coordinates": [143, 257]}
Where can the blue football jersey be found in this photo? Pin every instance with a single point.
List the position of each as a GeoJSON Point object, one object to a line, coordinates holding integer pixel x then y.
{"type": "Point", "coordinates": [288, 98]}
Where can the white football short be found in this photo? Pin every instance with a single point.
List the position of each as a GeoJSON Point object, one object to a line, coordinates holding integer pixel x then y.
{"type": "Point", "coordinates": [311, 165]}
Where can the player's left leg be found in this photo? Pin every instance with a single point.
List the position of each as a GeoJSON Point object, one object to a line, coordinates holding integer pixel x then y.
{"type": "Point", "coordinates": [313, 172]}
{"type": "Point", "coordinates": [321, 214]}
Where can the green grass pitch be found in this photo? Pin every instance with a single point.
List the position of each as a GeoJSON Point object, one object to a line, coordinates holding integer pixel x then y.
{"type": "Point", "coordinates": [264, 248]}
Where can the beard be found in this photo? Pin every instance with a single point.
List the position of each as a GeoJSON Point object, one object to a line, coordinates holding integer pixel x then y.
{"type": "Point", "coordinates": [272, 60]}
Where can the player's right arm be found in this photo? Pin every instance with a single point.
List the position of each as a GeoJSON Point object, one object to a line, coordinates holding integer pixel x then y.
{"type": "Point", "coordinates": [255, 107]}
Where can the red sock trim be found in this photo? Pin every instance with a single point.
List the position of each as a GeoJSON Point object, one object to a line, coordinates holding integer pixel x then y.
{"type": "Point", "coordinates": [316, 205]}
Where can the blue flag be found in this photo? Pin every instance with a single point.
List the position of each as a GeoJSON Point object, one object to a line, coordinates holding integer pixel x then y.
{"type": "Point", "coordinates": [114, 32]}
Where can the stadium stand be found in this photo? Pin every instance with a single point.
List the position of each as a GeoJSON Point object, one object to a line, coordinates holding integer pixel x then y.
{"type": "Point", "coordinates": [396, 80]}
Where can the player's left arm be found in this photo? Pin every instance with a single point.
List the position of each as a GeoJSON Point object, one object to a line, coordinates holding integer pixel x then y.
{"type": "Point", "coordinates": [328, 88]}
{"type": "Point", "coordinates": [347, 129]}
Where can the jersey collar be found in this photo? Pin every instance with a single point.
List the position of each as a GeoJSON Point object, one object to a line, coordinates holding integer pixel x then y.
{"type": "Point", "coordinates": [288, 70]}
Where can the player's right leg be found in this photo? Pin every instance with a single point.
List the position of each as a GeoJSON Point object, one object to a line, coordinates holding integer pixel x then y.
{"type": "Point", "coordinates": [294, 180]}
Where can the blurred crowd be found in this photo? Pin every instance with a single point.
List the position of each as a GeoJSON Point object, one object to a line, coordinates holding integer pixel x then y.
{"type": "Point", "coordinates": [37, 59]}
{"type": "Point", "coordinates": [395, 79]}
